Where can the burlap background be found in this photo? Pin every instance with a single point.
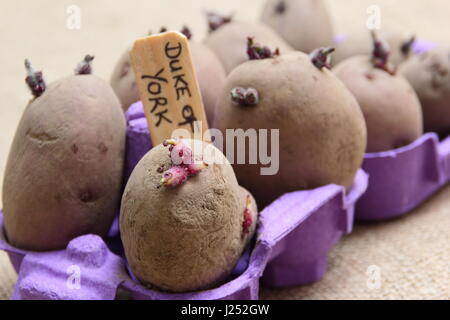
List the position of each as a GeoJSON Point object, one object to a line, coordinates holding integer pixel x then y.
{"type": "Point", "coordinates": [412, 253]}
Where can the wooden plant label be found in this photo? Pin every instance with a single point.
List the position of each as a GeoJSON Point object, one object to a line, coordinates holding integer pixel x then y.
{"type": "Point", "coordinates": [168, 86]}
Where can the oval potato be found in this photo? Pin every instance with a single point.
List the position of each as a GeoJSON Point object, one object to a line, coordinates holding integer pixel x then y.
{"type": "Point", "coordinates": [64, 171]}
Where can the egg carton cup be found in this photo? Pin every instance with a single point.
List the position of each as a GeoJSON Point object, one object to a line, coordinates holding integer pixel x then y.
{"type": "Point", "coordinates": [293, 238]}
{"type": "Point", "coordinates": [402, 179]}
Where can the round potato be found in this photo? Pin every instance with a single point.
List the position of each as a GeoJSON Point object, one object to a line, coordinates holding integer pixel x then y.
{"type": "Point", "coordinates": [358, 44]}
{"type": "Point", "coordinates": [390, 106]}
{"type": "Point", "coordinates": [184, 233]}
{"type": "Point", "coordinates": [322, 134]}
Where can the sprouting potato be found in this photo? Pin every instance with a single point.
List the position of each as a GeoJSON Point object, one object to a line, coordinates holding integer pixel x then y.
{"type": "Point", "coordinates": [64, 171]}
{"type": "Point", "coordinates": [390, 106]}
{"type": "Point", "coordinates": [322, 134]}
{"type": "Point", "coordinates": [185, 221]}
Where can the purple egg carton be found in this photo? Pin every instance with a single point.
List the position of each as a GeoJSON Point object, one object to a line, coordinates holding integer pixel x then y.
{"type": "Point", "coordinates": [88, 270]}
{"type": "Point", "coordinates": [402, 179]}
{"type": "Point", "coordinates": [291, 247]}
{"type": "Point", "coordinates": [294, 236]}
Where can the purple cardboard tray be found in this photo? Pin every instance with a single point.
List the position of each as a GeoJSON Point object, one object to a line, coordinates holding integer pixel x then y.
{"type": "Point", "coordinates": [402, 179]}
{"type": "Point", "coordinates": [294, 236]}
{"type": "Point", "coordinates": [291, 247]}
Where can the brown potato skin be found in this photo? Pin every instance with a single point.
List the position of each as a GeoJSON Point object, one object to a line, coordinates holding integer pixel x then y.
{"type": "Point", "coordinates": [305, 24]}
{"type": "Point", "coordinates": [123, 81]}
{"type": "Point", "coordinates": [322, 130]}
{"type": "Point", "coordinates": [183, 238]}
{"type": "Point", "coordinates": [210, 75]}
{"type": "Point", "coordinates": [229, 42]}
{"type": "Point", "coordinates": [64, 171]}
{"type": "Point", "coordinates": [429, 74]}
{"type": "Point", "coordinates": [390, 106]}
